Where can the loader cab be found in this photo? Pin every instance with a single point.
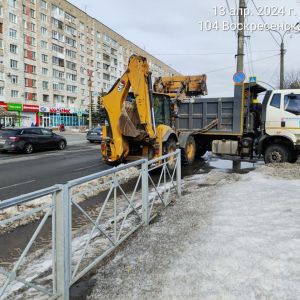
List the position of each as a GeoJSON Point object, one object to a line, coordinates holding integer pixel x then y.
{"type": "Point", "coordinates": [162, 109]}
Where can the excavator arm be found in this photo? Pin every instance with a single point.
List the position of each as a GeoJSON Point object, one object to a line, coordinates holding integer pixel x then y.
{"type": "Point", "coordinates": [137, 77]}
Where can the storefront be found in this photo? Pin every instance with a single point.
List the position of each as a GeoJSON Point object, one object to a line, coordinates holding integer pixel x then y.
{"type": "Point", "coordinates": [30, 115]}
{"type": "Point", "coordinates": [15, 108]}
{"type": "Point", "coordinates": [53, 117]}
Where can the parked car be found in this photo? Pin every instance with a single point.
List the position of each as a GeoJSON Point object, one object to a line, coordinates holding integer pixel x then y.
{"type": "Point", "coordinates": [94, 135]}
{"type": "Point", "coordinates": [30, 139]}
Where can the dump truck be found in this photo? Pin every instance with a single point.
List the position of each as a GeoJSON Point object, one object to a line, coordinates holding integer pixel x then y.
{"type": "Point", "coordinates": [244, 128]}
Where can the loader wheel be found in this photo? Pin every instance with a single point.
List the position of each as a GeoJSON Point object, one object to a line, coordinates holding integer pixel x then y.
{"type": "Point", "coordinates": [170, 147]}
{"type": "Point", "coordinates": [189, 152]}
{"type": "Point", "coordinates": [276, 154]}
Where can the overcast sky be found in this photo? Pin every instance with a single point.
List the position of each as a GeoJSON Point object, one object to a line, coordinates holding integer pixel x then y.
{"type": "Point", "coordinates": [170, 30]}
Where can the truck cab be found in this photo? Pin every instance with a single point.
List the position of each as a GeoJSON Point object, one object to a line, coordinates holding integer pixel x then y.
{"type": "Point", "coordinates": [281, 120]}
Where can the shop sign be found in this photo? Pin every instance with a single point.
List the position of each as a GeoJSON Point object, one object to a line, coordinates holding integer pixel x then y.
{"type": "Point", "coordinates": [44, 109]}
{"type": "Point", "coordinates": [15, 106]}
{"type": "Point", "coordinates": [3, 104]}
{"type": "Point", "coordinates": [30, 108]}
{"type": "Point", "coordinates": [60, 110]}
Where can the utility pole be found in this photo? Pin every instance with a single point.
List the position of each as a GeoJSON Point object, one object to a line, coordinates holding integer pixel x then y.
{"type": "Point", "coordinates": [241, 37]}
{"type": "Point", "coordinates": [91, 99]}
{"type": "Point", "coordinates": [282, 53]}
{"type": "Point", "coordinates": [236, 165]}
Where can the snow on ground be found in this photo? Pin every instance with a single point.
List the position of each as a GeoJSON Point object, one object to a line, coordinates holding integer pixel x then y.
{"type": "Point", "coordinates": [231, 236]}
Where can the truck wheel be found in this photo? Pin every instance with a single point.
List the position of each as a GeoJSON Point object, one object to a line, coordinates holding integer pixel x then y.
{"type": "Point", "coordinates": [293, 157]}
{"type": "Point", "coordinates": [276, 154]}
{"type": "Point", "coordinates": [189, 151]}
{"type": "Point", "coordinates": [170, 147]}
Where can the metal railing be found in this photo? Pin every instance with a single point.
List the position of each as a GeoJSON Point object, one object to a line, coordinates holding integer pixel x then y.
{"type": "Point", "coordinates": [120, 204]}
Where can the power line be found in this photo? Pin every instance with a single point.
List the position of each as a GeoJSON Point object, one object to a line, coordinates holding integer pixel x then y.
{"type": "Point", "coordinates": [230, 67]}
{"type": "Point", "coordinates": [205, 54]}
{"type": "Point", "coordinates": [265, 22]}
{"type": "Point", "coordinates": [231, 17]}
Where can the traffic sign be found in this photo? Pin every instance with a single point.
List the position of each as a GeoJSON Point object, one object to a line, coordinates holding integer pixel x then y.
{"type": "Point", "coordinates": [252, 79]}
{"type": "Point", "coordinates": [239, 77]}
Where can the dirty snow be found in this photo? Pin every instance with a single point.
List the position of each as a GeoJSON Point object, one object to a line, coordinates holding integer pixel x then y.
{"type": "Point", "coordinates": [231, 236]}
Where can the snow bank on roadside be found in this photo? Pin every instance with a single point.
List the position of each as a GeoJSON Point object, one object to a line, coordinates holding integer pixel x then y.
{"type": "Point", "coordinates": [230, 236]}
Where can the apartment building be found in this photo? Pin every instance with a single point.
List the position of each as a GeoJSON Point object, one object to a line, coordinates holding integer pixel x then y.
{"type": "Point", "coordinates": [52, 54]}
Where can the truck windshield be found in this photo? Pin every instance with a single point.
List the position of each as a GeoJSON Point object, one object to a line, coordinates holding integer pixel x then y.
{"type": "Point", "coordinates": [292, 103]}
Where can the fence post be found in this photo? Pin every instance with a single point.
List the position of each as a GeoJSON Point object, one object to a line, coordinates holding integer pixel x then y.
{"type": "Point", "coordinates": [145, 192]}
{"type": "Point", "coordinates": [62, 243]}
{"type": "Point", "coordinates": [178, 172]}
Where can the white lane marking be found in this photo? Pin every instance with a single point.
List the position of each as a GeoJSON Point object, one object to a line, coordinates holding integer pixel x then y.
{"type": "Point", "coordinates": [16, 184]}
{"type": "Point", "coordinates": [84, 168]}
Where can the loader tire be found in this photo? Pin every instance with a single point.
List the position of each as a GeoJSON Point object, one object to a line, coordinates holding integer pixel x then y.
{"type": "Point", "coordinates": [189, 152]}
{"type": "Point", "coordinates": [170, 147]}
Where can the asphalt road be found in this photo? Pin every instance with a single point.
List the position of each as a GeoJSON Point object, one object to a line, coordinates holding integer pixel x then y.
{"type": "Point", "coordinates": [21, 174]}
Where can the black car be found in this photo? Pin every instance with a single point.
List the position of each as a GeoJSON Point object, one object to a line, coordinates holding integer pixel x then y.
{"type": "Point", "coordinates": [94, 135]}
{"type": "Point", "coordinates": [30, 139]}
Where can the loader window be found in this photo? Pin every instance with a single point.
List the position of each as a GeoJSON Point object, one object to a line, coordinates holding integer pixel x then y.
{"type": "Point", "coordinates": [162, 110]}
{"type": "Point", "coordinates": [292, 103]}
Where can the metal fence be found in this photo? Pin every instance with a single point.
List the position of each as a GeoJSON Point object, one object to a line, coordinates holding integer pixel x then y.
{"type": "Point", "coordinates": [120, 205]}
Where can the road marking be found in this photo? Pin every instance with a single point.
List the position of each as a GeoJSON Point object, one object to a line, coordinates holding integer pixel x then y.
{"type": "Point", "coordinates": [84, 168]}
{"type": "Point", "coordinates": [16, 184]}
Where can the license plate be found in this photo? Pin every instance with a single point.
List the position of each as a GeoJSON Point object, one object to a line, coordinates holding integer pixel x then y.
{"type": "Point", "coordinates": [2, 142]}
{"type": "Point", "coordinates": [93, 133]}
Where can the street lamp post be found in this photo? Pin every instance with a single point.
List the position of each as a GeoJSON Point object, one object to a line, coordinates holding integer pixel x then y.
{"type": "Point", "coordinates": [282, 54]}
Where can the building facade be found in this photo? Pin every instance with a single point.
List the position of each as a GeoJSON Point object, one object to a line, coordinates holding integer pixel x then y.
{"type": "Point", "coordinates": [53, 56]}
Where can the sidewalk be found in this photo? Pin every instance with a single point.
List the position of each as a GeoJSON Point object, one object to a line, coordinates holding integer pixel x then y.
{"type": "Point", "coordinates": [230, 236]}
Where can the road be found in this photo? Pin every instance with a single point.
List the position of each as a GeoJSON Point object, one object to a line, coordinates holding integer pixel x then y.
{"type": "Point", "coordinates": [21, 174]}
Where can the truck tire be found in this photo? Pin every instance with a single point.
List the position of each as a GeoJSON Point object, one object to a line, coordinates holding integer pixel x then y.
{"type": "Point", "coordinates": [276, 154]}
{"type": "Point", "coordinates": [189, 151]}
{"type": "Point", "coordinates": [293, 157]}
{"type": "Point", "coordinates": [201, 151]}
{"type": "Point", "coordinates": [170, 147]}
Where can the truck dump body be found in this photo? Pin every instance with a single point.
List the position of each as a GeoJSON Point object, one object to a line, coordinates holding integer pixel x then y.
{"type": "Point", "coordinates": [197, 113]}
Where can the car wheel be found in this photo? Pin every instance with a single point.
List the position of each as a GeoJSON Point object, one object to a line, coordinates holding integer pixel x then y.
{"type": "Point", "coordinates": [293, 157]}
{"type": "Point", "coordinates": [276, 154]}
{"type": "Point", "coordinates": [28, 148]}
{"type": "Point", "coordinates": [91, 141]}
{"type": "Point", "coordinates": [61, 145]}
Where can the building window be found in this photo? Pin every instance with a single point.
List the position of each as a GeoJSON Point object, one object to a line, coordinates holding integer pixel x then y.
{"type": "Point", "coordinates": [32, 13]}
{"type": "Point", "coordinates": [12, 18]}
{"type": "Point", "coordinates": [106, 76]}
{"type": "Point", "coordinates": [30, 69]}
{"type": "Point", "coordinates": [71, 88]}
{"type": "Point", "coordinates": [1, 27]}
{"type": "Point", "coordinates": [106, 57]}
{"type": "Point", "coordinates": [12, 33]}
{"type": "Point", "coordinates": [29, 40]}
{"type": "Point", "coordinates": [12, 3]}
{"type": "Point", "coordinates": [57, 23]}
{"type": "Point", "coordinates": [1, 76]}
{"type": "Point", "coordinates": [82, 81]}
{"type": "Point", "coordinates": [58, 61]}
{"type": "Point", "coordinates": [45, 85]}
{"type": "Point", "coordinates": [70, 30]}
{"type": "Point", "coordinates": [14, 79]}
{"type": "Point", "coordinates": [43, 4]}
{"type": "Point", "coordinates": [45, 98]}
{"type": "Point", "coordinates": [57, 36]}
{"type": "Point", "coordinates": [71, 77]}
{"type": "Point", "coordinates": [14, 94]}
{"type": "Point", "coordinates": [58, 74]}
{"type": "Point", "coordinates": [70, 18]}
{"type": "Point", "coordinates": [13, 64]}
{"type": "Point", "coordinates": [71, 65]}
{"type": "Point", "coordinates": [70, 42]}
{"type": "Point", "coordinates": [1, 91]}
{"type": "Point", "coordinates": [1, 11]}
{"type": "Point", "coordinates": [29, 54]}
{"type": "Point", "coordinates": [13, 48]}
{"type": "Point", "coordinates": [57, 48]}
{"type": "Point", "coordinates": [44, 31]}
{"type": "Point", "coordinates": [30, 82]}
{"type": "Point", "coordinates": [81, 26]}
{"type": "Point", "coordinates": [71, 53]}
{"type": "Point", "coordinates": [44, 71]}
{"type": "Point", "coordinates": [30, 96]}
{"type": "Point", "coordinates": [58, 98]}
{"type": "Point", "coordinates": [43, 18]}
{"type": "Point", "coordinates": [44, 44]}
{"type": "Point", "coordinates": [44, 58]}
{"type": "Point", "coordinates": [58, 86]}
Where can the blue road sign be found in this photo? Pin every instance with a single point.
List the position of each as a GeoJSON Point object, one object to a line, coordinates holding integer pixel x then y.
{"type": "Point", "coordinates": [252, 79]}
{"type": "Point", "coordinates": [239, 77]}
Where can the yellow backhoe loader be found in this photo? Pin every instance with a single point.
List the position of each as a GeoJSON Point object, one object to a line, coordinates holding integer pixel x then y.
{"type": "Point", "coordinates": [138, 121]}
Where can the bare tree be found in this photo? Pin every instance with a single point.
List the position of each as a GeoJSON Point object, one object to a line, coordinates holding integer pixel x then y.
{"type": "Point", "coordinates": [292, 80]}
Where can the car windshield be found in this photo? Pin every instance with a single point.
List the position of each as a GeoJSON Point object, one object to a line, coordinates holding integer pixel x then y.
{"type": "Point", "coordinates": [292, 104]}
{"type": "Point", "coordinates": [98, 129]}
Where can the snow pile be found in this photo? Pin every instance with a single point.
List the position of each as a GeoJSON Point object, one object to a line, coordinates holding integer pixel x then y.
{"type": "Point", "coordinates": [230, 237]}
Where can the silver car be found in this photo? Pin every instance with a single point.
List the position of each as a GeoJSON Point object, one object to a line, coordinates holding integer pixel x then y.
{"type": "Point", "coordinates": [94, 135]}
